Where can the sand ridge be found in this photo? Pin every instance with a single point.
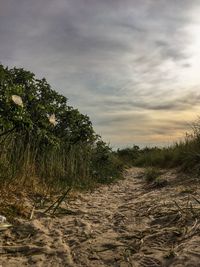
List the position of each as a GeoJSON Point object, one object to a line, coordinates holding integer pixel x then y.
{"type": "Point", "coordinates": [129, 223]}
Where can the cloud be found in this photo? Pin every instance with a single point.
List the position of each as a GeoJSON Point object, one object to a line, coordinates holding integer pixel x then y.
{"type": "Point", "coordinates": [110, 55]}
{"type": "Point", "coordinates": [143, 129]}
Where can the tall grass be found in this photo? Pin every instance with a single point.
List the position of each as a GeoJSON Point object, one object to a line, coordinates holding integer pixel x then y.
{"type": "Point", "coordinates": [185, 154]}
{"type": "Point", "coordinates": [27, 163]}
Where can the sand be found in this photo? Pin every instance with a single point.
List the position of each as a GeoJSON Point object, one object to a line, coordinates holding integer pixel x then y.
{"type": "Point", "coordinates": [129, 223]}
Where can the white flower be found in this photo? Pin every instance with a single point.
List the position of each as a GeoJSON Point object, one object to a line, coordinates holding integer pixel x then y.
{"type": "Point", "coordinates": [2, 219]}
{"type": "Point", "coordinates": [52, 119]}
{"type": "Point", "coordinates": [17, 100]}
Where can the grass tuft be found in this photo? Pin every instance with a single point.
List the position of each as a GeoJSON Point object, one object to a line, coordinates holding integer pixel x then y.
{"type": "Point", "coordinates": [151, 174]}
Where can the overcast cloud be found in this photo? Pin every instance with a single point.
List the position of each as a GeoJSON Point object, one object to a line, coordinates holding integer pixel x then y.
{"type": "Point", "coordinates": [131, 65]}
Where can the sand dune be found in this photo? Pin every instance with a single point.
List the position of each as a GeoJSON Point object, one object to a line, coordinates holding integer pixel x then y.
{"type": "Point", "coordinates": [130, 223]}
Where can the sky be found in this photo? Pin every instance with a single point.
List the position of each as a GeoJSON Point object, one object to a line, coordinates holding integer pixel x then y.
{"type": "Point", "coordinates": [131, 65]}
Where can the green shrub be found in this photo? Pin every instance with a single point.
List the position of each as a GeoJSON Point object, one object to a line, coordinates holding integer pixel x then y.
{"type": "Point", "coordinates": [151, 174]}
{"type": "Point", "coordinates": [159, 182]}
{"type": "Point", "coordinates": [43, 138]}
{"type": "Point", "coordinates": [106, 166]}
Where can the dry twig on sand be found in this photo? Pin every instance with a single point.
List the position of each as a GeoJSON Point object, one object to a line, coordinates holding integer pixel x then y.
{"type": "Point", "coordinates": [57, 203]}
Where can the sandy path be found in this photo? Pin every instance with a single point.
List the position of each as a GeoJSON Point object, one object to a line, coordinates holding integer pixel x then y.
{"type": "Point", "coordinates": [124, 224]}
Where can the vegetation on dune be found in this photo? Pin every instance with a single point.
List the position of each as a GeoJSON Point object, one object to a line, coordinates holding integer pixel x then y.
{"type": "Point", "coordinates": [185, 154]}
{"type": "Point", "coordinates": [46, 143]}
{"type": "Point", "coordinates": [151, 174]}
{"type": "Point", "coordinates": [129, 155]}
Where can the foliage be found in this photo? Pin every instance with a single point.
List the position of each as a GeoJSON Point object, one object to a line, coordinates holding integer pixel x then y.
{"type": "Point", "coordinates": [151, 174]}
{"type": "Point", "coordinates": [105, 162]}
{"type": "Point", "coordinates": [42, 137]}
{"type": "Point", "coordinates": [184, 154]}
{"type": "Point", "coordinates": [39, 102]}
{"type": "Point", "coordinates": [128, 155]}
